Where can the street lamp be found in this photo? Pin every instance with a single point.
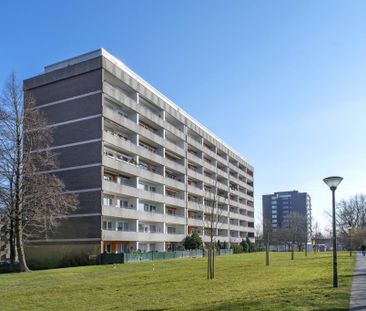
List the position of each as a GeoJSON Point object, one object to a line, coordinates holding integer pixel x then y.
{"type": "Point", "coordinates": [333, 183]}
{"type": "Point", "coordinates": [350, 240]}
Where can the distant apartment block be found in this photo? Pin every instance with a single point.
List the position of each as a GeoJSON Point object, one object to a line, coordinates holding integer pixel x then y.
{"type": "Point", "coordinates": [277, 207]}
{"type": "Point", "coordinates": [146, 172]}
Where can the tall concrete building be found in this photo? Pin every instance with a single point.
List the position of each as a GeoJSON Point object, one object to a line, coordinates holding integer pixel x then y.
{"type": "Point", "coordinates": [146, 172]}
{"type": "Point", "coordinates": [277, 207]}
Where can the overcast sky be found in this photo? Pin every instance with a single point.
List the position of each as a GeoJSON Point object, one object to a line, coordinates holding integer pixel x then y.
{"type": "Point", "coordinates": [283, 82]}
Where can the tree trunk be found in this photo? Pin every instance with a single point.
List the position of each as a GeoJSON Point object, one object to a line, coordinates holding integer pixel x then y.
{"type": "Point", "coordinates": [292, 252]}
{"type": "Point", "coordinates": [267, 254]}
{"type": "Point", "coordinates": [208, 264]}
{"type": "Point", "coordinates": [20, 246]}
{"type": "Point", "coordinates": [213, 261]}
{"type": "Point", "coordinates": [306, 248]}
{"type": "Point", "coordinates": [12, 240]}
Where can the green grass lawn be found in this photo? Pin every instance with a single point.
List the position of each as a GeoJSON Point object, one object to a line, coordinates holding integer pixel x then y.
{"type": "Point", "coordinates": [242, 282]}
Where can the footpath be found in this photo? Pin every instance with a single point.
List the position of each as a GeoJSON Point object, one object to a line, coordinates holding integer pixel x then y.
{"type": "Point", "coordinates": [358, 291]}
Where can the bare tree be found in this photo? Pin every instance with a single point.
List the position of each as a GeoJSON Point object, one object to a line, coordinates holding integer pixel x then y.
{"type": "Point", "coordinates": [351, 220]}
{"type": "Point", "coordinates": [212, 221]}
{"type": "Point", "coordinates": [294, 233]}
{"type": "Point", "coordinates": [33, 199]}
{"type": "Point", "coordinates": [267, 237]}
{"type": "Point", "coordinates": [351, 213]}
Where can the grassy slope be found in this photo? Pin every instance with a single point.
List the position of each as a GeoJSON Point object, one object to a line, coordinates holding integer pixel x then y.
{"type": "Point", "coordinates": [242, 283]}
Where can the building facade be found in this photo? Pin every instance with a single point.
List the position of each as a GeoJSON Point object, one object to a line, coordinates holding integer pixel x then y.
{"type": "Point", "coordinates": [277, 207]}
{"type": "Point", "coordinates": [145, 172]}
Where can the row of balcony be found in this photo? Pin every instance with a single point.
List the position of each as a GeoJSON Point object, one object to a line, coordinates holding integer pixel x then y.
{"type": "Point", "coordinates": [122, 163]}
{"type": "Point", "coordinates": [177, 129]}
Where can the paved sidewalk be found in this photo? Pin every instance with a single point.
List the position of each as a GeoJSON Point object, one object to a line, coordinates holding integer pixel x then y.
{"type": "Point", "coordinates": [358, 293]}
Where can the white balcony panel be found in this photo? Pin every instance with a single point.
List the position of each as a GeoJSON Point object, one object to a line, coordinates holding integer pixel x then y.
{"type": "Point", "coordinates": [195, 206]}
{"type": "Point", "coordinates": [195, 222]}
{"type": "Point", "coordinates": [194, 190]}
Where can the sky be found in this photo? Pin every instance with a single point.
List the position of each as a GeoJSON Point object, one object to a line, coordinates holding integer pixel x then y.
{"type": "Point", "coordinates": [282, 82]}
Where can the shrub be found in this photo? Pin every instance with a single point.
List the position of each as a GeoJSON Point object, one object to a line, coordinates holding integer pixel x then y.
{"type": "Point", "coordinates": [237, 249]}
{"type": "Point", "coordinates": [245, 245]}
{"type": "Point", "coordinates": [193, 241]}
{"type": "Point", "coordinates": [250, 245]}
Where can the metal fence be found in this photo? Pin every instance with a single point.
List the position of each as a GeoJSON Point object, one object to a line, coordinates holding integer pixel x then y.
{"type": "Point", "coordinates": [226, 251]}
{"type": "Point", "coordinates": [150, 256]}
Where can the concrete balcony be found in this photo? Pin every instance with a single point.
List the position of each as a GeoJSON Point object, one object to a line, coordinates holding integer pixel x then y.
{"type": "Point", "coordinates": [174, 148]}
{"type": "Point", "coordinates": [244, 217]}
{"type": "Point", "coordinates": [195, 222]}
{"type": "Point", "coordinates": [209, 152]}
{"type": "Point", "coordinates": [222, 186]}
{"type": "Point", "coordinates": [117, 189]}
{"type": "Point", "coordinates": [121, 143]}
{"type": "Point", "coordinates": [175, 166]}
{"type": "Point", "coordinates": [119, 96]}
{"type": "Point", "coordinates": [209, 195]}
{"type": "Point", "coordinates": [127, 213]}
{"type": "Point", "coordinates": [222, 226]}
{"type": "Point", "coordinates": [195, 206]}
{"type": "Point", "coordinates": [194, 174]}
{"type": "Point", "coordinates": [194, 143]}
{"type": "Point", "coordinates": [209, 166]}
{"type": "Point", "coordinates": [174, 237]}
{"type": "Point", "coordinates": [236, 227]}
{"type": "Point", "coordinates": [174, 183]}
{"type": "Point", "coordinates": [171, 128]}
{"type": "Point", "coordinates": [150, 135]}
{"type": "Point", "coordinates": [222, 173]}
{"type": "Point", "coordinates": [197, 160]}
{"type": "Point", "coordinates": [233, 167]}
{"type": "Point", "coordinates": [114, 116]}
{"type": "Point", "coordinates": [140, 236]}
{"type": "Point", "coordinates": [150, 115]}
{"type": "Point", "coordinates": [249, 187]}
{"type": "Point", "coordinates": [208, 180]}
{"type": "Point", "coordinates": [132, 169]}
{"type": "Point", "coordinates": [194, 190]}
{"type": "Point", "coordinates": [174, 219]}
{"type": "Point", "coordinates": [221, 160]}
{"type": "Point", "coordinates": [174, 201]}
{"type": "Point", "coordinates": [237, 204]}
{"type": "Point", "coordinates": [235, 240]}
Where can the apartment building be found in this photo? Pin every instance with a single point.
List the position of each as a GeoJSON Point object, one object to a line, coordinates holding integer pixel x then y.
{"type": "Point", "coordinates": [278, 206]}
{"type": "Point", "coordinates": [146, 172]}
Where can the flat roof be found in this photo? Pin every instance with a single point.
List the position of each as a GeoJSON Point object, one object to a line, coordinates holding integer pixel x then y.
{"type": "Point", "coordinates": [121, 65]}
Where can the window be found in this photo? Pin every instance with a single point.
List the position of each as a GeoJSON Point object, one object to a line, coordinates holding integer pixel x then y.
{"type": "Point", "coordinates": [171, 230]}
{"type": "Point", "coordinates": [107, 201]}
{"type": "Point", "coordinates": [123, 180]}
{"type": "Point", "coordinates": [152, 228]}
{"type": "Point", "coordinates": [107, 177]}
{"type": "Point", "coordinates": [122, 203]}
{"type": "Point", "coordinates": [108, 248]}
{"type": "Point", "coordinates": [149, 208]}
{"type": "Point", "coordinates": [122, 226]}
{"type": "Point", "coordinates": [107, 225]}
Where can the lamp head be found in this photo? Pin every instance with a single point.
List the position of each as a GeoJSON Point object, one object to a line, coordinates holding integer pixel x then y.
{"type": "Point", "coordinates": [333, 182]}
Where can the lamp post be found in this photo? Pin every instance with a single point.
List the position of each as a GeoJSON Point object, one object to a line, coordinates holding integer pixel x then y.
{"type": "Point", "coordinates": [350, 241]}
{"type": "Point", "coordinates": [333, 182]}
